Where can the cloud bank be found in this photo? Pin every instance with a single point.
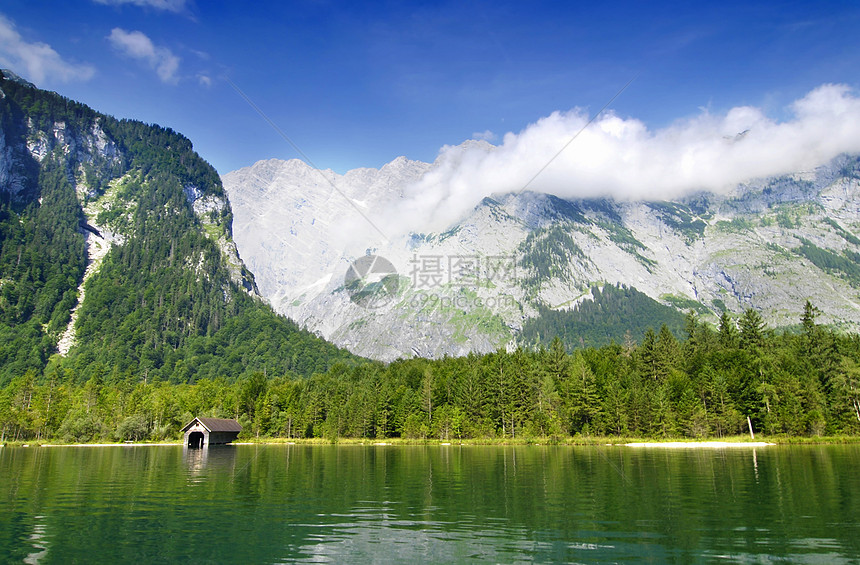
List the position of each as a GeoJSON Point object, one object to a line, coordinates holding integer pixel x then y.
{"type": "Point", "coordinates": [137, 45]}
{"type": "Point", "coordinates": [621, 158]}
{"type": "Point", "coordinates": [37, 61]}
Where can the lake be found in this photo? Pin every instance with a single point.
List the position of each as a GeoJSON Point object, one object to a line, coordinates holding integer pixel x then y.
{"type": "Point", "coordinates": [443, 504]}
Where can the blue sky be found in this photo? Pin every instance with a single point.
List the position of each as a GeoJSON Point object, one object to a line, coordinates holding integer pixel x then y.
{"type": "Point", "coordinates": [358, 84]}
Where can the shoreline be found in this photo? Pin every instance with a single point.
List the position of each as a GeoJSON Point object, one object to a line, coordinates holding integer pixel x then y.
{"type": "Point", "coordinates": [593, 441]}
{"type": "Point", "coordinates": [699, 444]}
{"type": "Point", "coordinates": [103, 444]}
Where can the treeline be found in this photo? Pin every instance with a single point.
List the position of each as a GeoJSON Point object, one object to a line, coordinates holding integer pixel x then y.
{"type": "Point", "coordinates": [705, 385]}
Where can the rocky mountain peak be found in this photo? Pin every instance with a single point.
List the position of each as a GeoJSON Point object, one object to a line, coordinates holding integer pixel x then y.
{"type": "Point", "coordinates": [12, 76]}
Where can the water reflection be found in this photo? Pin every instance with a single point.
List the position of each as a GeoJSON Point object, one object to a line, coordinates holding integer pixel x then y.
{"type": "Point", "coordinates": [201, 462]}
{"type": "Point", "coordinates": [755, 464]}
{"type": "Point", "coordinates": [195, 460]}
{"type": "Point", "coordinates": [39, 542]}
{"type": "Point", "coordinates": [580, 504]}
{"type": "Point", "coordinates": [429, 504]}
{"type": "Point", "coordinates": [404, 541]}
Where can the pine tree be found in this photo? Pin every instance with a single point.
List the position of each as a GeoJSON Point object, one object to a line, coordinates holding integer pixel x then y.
{"type": "Point", "coordinates": [667, 352]}
{"type": "Point", "coordinates": [728, 335]}
{"type": "Point", "coordinates": [753, 329]}
{"type": "Point", "coordinates": [647, 353]}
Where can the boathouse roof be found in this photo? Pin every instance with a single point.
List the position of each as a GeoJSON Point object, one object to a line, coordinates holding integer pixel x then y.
{"type": "Point", "coordinates": [216, 424]}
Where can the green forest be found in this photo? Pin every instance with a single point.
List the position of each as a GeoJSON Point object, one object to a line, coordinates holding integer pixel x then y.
{"type": "Point", "coordinates": [611, 313]}
{"type": "Point", "coordinates": [164, 303]}
{"type": "Point", "coordinates": [706, 385]}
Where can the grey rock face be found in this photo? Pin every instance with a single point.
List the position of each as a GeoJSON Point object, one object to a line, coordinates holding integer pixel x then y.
{"type": "Point", "coordinates": [744, 250]}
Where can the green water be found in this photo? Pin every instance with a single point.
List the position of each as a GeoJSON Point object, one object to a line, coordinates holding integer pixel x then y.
{"type": "Point", "coordinates": [357, 504]}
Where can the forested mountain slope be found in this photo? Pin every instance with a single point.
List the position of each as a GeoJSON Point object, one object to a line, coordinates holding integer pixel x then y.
{"type": "Point", "coordinates": [116, 251]}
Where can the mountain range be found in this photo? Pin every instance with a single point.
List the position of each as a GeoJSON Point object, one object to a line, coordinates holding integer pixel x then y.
{"type": "Point", "coordinates": [122, 252]}
{"type": "Point", "coordinates": [492, 278]}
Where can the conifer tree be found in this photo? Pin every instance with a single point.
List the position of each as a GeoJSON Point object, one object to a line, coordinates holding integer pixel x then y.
{"type": "Point", "coordinates": [752, 330]}
{"type": "Point", "coordinates": [728, 332]}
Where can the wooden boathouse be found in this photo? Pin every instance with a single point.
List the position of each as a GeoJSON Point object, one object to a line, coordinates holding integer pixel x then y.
{"type": "Point", "coordinates": [203, 432]}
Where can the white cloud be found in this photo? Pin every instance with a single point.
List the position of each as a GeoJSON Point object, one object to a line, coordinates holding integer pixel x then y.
{"type": "Point", "coordinates": [175, 6]}
{"type": "Point", "coordinates": [37, 61]}
{"type": "Point", "coordinates": [621, 158]}
{"type": "Point", "coordinates": [204, 80]}
{"type": "Point", "coordinates": [137, 45]}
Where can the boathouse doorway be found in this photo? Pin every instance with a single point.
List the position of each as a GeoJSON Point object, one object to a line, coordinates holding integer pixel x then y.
{"type": "Point", "coordinates": [195, 440]}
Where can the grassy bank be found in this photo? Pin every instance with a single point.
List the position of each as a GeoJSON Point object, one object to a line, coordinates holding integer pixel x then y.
{"type": "Point", "coordinates": [573, 441]}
